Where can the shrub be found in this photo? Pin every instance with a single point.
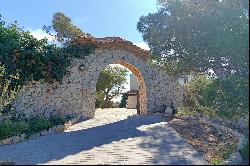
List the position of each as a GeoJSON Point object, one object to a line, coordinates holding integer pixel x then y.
{"type": "Point", "coordinates": [228, 97]}
{"type": "Point", "coordinates": [12, 127]}
{"type": "Point", "coordinates": [184, 111]}
{"type": "Point", "coordinates": [244, 151]}
{"type": "Point", "coordinates": [9, 128]}
{"type": "Point", "coordinates": [38, 124]}
{"type": "Point", "coordinates": [223, 153]}
{"type": "Point", "coordinates": [195, 90]}
{"type": "Point", "coordinates": [216, 161]}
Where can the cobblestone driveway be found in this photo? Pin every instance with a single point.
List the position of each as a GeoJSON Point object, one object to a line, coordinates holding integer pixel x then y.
{"type": "Point", "coordinates": [112, 137]}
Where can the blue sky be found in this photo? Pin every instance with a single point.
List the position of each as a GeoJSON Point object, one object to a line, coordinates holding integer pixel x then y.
{"type": "Point", "coordinates": [98, 17]}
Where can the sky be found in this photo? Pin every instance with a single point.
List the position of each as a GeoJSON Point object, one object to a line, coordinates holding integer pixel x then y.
{"type": "Point", "coordinates": [100, 18]}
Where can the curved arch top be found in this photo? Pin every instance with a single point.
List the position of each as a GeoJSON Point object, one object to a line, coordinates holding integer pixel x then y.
{"type": "Point", "coordinates": [110, 42]}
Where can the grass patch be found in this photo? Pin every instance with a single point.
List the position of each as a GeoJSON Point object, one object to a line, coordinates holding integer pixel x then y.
{"type": "Point", "coordinates": [227, 150]}
{"type": "Point", "coordinates": [10, 127]}
{"type": "Point", "coordinates": [217, 161]}
{"type": "Point", "coordinates": [184, 111]}
{"type": "Point", "coordinates": [223, 153]}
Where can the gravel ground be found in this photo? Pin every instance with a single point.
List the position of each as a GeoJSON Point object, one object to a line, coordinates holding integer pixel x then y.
{"type": "Point", "coordinates": [206, 139]}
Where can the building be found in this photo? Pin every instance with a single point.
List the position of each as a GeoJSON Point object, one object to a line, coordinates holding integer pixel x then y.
{"type": "Point", "coordinates": [132, 93]}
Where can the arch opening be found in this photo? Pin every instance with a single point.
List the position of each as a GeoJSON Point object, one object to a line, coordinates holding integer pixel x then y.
{"type": "Point", "coordinates": [141, 97]}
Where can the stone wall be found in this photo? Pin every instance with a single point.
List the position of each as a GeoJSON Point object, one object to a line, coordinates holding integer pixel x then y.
{"type": "Point", "coordinates": [75, 95]}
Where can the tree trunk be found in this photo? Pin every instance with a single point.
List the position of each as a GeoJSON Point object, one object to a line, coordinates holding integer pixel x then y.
{"type": "Point", "coordinates": [106, 101]}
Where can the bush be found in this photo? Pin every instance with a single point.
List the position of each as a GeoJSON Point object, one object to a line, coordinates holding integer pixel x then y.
{"type": "Point", "coordinates": [216, 161]}
{"type": "Point", "coordinates": [184, 111]}
{"type": "Point", "coordinates": [244, 151]}
{"type": "Point", "coordinates": [228, 97]}
{"type": "Point", "coordinates": [223, 153]}
{"type": "Point", "coordinates": [11, 127]}
{"type": "Point", "coordinates": [38, 124]}
{"type": "Point", "coordinates": [195, 90]}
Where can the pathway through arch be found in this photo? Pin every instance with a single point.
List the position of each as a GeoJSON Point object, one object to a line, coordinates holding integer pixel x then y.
{"type": "Point", "coordinates": [114, 136]}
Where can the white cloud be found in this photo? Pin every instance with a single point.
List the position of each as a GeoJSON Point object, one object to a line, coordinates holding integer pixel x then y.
{"type": "Point", "coordinates": [143, 45]}
{"type": "Point", "coordinates": [39, 34]}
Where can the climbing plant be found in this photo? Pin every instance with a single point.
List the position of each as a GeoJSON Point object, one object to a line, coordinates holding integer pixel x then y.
{"type": "Point", "coordinates": [6, 93]}
{"type": "Point", "coordinates": [32, 59]}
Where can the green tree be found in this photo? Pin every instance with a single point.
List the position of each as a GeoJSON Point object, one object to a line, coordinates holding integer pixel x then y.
{"type": "Point", "coordinates": [64, 29]}
{"type": "Point", "coordinates": [192, 35]}
{"type": "Point", "coordinates": [124, 101]}
{"type": "Point", "coordinates": [109, 85]}
{"type": "Point", "coordinates": [228, 97]}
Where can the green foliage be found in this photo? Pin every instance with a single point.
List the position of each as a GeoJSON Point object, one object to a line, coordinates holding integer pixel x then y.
{"type": "Point", "coordinates": [39, 124]}
{"type": "Point", "coordinates": [244, 151]}
{"type": "Point", "coordinates": [35, 59]}
{"type": "Point", "coordinates": [80, 51]}
{"type": "Point", "coordinates": [216, 161]}
{"type": "Point", "coordinates": [228, 97]}
{"type": "Point", "coordinates": [24, 58]}
{"type": "Point", "coordinates": [196, 89]}
{"type": "Point", "coordinates": [99, 103]}
{"type": "Point", "coordinates": [10, 128]}
{"type": "Point", "coordinates": [124, 101]}
{"type": "Point", "coordinates": [109, 85]}
{"type": "Point", "coordinates": [213, 37]}
{"type": "Point", "coordinates": [64, 29]}
{"type": "Point", "coordinates": [184, 111]}
{"type": "Point", "coordinates": [7, 94]}
{"type": "Point", "coordinates": [13, 127]}
{"type": "Point", "coordinates": [42, 123]}
{"type": "Point", "coordinates": [227, 150]}
{"type": "Point", "coordinates": [223, 153]}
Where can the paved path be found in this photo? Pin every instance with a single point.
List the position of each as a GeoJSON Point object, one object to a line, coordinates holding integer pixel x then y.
{"type": "Point", "coordinates": [112, 137]}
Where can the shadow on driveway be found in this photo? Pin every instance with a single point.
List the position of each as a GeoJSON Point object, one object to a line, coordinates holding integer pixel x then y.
{"type": "Point", "coordinates": [60, 145]}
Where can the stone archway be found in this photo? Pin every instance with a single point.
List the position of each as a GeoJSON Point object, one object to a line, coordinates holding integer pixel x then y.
{"type": "Point", "coordinates": [75, 96]}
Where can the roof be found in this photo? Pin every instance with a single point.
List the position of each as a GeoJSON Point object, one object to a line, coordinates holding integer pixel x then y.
{"type": "Point", "coordinates": [109, 42]}
{"type": "Point", "coordinates": [132, 92]}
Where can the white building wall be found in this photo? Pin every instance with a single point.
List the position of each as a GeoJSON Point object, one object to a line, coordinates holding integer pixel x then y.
{"type": "Point", "coordinates": [133, 82]}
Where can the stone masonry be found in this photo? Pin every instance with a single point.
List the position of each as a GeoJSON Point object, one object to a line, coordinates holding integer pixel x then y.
{"type": "Point", "coordinates": [75, 95]}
